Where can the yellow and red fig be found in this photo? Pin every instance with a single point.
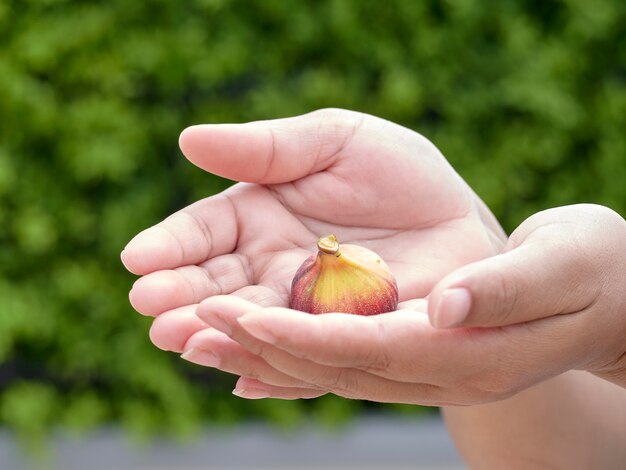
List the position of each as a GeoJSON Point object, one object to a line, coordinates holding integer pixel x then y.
{"type": "Point", "coordinates": [343, 278]}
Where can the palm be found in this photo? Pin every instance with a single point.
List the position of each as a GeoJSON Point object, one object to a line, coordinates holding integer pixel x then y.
{"type": "Point", "coordinates": [275, 238]}
{"type": "Point", "coordinates": [369, 182]}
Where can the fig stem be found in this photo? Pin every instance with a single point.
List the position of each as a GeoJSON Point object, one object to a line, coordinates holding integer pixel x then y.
{"type": "Point", "coordinates": [329, 245]}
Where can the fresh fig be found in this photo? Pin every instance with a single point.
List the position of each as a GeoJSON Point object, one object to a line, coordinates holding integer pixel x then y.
{"type": "Point", "coordinates": [343, 278]}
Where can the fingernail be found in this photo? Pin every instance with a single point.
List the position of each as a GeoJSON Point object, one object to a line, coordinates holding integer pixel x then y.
{"type": "Point", "coordinates": [215, 320]}
{"type": "Point", "coordinates": [201, 357]}
{"type": "Point", "coordinates": [256, 329]}
{"type": "Point", "coordinates": [454, 306]}
{"type": "Point", "coordinates": [251, 393]}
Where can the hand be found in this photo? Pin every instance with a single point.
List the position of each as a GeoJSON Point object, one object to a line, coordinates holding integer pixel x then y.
{"type": "Point", "coordinates": [554, 301]}
{"type": "Point", "coordinates": [364, 179]}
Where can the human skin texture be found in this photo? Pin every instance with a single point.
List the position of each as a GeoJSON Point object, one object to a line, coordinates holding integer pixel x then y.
{"type": "Point", "coordinates": [330, 171]}
{"type": "Point", "coordinates": [481, 317]}
{"type": "Point", "coordinates": [553, 301]}
{"type": "Point", "coordinates": [574, 421]}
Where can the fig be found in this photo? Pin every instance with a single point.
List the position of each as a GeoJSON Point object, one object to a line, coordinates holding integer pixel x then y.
{"type": "Point", "coordinates": [343, 278]}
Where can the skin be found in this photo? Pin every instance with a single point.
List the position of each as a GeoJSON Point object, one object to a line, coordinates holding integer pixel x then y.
{"type": "Point", "coordinates": [573, 421]}
{"type": "Point", "coordinates": [216, 275]}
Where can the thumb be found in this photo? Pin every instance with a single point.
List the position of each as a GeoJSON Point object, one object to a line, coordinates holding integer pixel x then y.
{"type": "Point", "coordinates": [537, 279]}
{"type": "Point", "coordinates": [270, 152]}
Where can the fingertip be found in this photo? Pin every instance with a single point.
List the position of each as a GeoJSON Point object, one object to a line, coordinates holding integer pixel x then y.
{"type": "Point", "coordinates": [285, 328]}
{"type": "Point", "coordinates": [252, 324]}
{"type": "Point", "coordinates": [229, 303]}
{"type": "Point", "coordinates": [243, 382]}
{"type": "Point", "coordinates": [218, 148]}
{"type": "Point", "coordinates": [209, 304]}
{"type": "Point", "coordinates": [262, 152]}
{"type": "Point", "coordinates": [221, 311]}
{"type": "Point", "coordinates": [440, 298]}
{"type": "Point", "coordinates": [187, 138]}
{"type": "Point", "coordinates": [171, 330]}
{"type": "Point", "coordinates": [132, 299]}
{"type": "Point", "coordinates": [452, 308]}
{"type": "Point", "coordinates": [123, 260]}
{"type": "Point", "coordinates": [135, 297]}
{"type": "Point", "coordinates": [207, 339]}
{"type": "Point", "coordinates": [131, 255]}
{"type": "Point", "coordinates": [284, 321]}
{"type": "Point", "coordinates": [128, 261]}
{"type": "Point", "coordinates": [252, 389]}
{"type": "Point", "coordinates": [157, 292]}
{"type": "Point", "coordinates": [189, 354]}
{"type": "Point", "coordinates": [148, 251]}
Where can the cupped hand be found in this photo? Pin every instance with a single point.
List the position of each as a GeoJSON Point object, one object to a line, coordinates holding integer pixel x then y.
{"type": "Point", "coordinates": [364, 179]}
{"type": "Point", "coordinates": [552, 302]}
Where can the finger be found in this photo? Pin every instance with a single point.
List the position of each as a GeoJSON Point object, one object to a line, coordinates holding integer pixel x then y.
{"type": "Point", "coordinates": [401, 346]}
{"type": "Point", "coordinates": [414, 305]}
{"type": "Point", "coordinates": [212, 348]}
{"type": "Point", "coordinates": [190, 236]}
{"type": "Point", "coordinates": [537, 279]}
{"type": "Point", "coordinates": [459, 366]}
{"type": "Point", "coordinates": [254, 389]}
{"type": "Point", "coordinates": [455, 366]}
{"type": "Point", "coordinates": [261, 296]}
{"type": "Point", "coordinates": [165, 290]}
{"type": "Point", "coordinates": [386, 345]}
{"type": "Point", "coordinates": [170, 330]}
{"type": "Point", "coordinates": [465, 367]}
{"type": "Point", "coordinates": [223, 313]}
{"type": "Point", "coordinates": [269, 152]}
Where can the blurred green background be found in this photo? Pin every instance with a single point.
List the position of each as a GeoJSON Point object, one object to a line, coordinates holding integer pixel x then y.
{"type": "Point", "coordinates": [527, 99]}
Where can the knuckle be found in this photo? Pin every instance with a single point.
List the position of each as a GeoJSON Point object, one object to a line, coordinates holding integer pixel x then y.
{"type": "Point", "coordinates": [189, 222]}
{"type": "Point", "coordinates": [339, 123]}
{"type": "Point", "coordinates": [516, 238]}
{"type": "Point", "coordinates": [245, 370]}
{"type": "Point", "coordinates": [264, 351]}
{"type": "Point", "coordinates": [585, 280]}
{"type": "Point", "coordinates": [203, 228]}
{"type": "Point", "coordinates": [342, 382]}
{"type": "Point", "coordinates": [335, 130]}
{"type": "Point", "coordinates": [603, 214]}
{"type": "Point", "coordinates": [332, 112]}
{"type": "Point", "coordinates": [504, 296]}
{"type": "Point", "coordinates": [380, 361]}
{"type": "Point", "coordinates": [379, 358]}
{"type": "Point", "coordinates": [271, 154]}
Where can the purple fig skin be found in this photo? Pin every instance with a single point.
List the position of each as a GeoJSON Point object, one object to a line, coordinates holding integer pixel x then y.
{"type": "Point", "coordinates": [352, 279]}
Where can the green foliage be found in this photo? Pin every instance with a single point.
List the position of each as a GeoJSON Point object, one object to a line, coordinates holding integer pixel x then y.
{"type": "Point", "coordinates": [527, 99]}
